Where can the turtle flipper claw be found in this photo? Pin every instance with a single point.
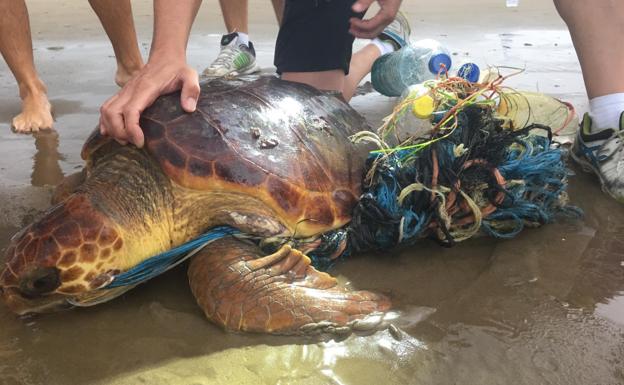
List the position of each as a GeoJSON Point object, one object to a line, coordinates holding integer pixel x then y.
{"type": "Point", "coordinates": [281, 293]}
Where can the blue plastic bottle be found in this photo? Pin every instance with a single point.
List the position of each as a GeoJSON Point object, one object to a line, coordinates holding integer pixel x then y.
{"type": "Point", "coordinates": [413, 64]}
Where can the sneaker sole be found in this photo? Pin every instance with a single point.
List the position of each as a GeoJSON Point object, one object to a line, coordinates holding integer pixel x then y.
{"type": "Point", "coordinates": [589, 168]}
{"type": "Point", "coordinates": [251, 70]}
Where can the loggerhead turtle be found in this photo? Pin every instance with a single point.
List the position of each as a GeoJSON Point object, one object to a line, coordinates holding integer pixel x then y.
{"type": "Point", "coordinates": [269, 157]}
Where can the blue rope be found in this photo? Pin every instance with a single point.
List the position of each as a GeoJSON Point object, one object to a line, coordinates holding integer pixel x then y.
{"type": "Point", "coordinates": [321, 257]}
{"type": "Point", "coordinates": [162, 262]}
{"type": "Point", "coordinates": [534, 194]}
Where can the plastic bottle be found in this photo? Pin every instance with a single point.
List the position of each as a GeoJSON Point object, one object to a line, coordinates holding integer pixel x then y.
{"type": "Point", "coordinates": [413, 64]}
{"type": "Point", "coordinates": [416, 121]}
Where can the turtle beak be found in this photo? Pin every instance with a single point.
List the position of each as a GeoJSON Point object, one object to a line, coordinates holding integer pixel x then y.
{"type": "Point", "coordinates": [21, 305]}
{"type": "Point", "coordinates": [32, 291]}
{"type": "Point", "coordinates": [98, 296]}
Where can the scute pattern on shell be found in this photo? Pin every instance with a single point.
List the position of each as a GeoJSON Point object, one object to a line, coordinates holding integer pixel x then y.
{"type": "Point", "coordinates": [310, 172]}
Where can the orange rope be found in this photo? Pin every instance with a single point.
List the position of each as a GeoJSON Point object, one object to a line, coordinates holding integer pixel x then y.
{"type": "Point", "coordinates": [454, 208]}
{"type": "Point", "coordinates": [569, 118]}
{"type": "Point", "coordinates": [435, 172]}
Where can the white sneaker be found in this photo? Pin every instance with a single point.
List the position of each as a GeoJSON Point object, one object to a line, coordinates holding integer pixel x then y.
{"type": "Point", "coordinates": [398, 32]}
{"type": "Point", "coordinates": [603, 154]}
{"type": "Point", "coordinates": [234, 59]}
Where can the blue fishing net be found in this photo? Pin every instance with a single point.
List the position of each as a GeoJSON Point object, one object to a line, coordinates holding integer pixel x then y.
{"type": "Point", "coordinates": [513, 179]}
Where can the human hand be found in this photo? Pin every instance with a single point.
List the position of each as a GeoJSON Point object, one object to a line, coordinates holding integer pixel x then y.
{"type": "Point", "coordinates": [371, 28]}
{"type": "Point", "coordinates": [120, 114]}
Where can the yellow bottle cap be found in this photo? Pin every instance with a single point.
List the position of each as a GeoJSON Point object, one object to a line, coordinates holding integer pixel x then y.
{"type": "Point", "coordinates": [423, 107]}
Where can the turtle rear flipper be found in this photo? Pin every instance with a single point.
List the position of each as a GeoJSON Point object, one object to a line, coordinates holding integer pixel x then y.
{"type": "Point", "coordinates": [242, 290]}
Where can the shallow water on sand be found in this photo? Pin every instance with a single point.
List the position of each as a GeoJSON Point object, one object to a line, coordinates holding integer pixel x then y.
{"type": "Point", "coordinates": [544, 308]}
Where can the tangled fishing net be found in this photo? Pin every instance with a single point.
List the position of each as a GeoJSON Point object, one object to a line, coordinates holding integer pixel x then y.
{"type": "Point", "coordinates": [477, 171]}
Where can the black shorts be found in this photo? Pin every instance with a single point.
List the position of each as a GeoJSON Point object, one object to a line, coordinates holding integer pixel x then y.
{"type": "Point", "coordinates": [314, 36]}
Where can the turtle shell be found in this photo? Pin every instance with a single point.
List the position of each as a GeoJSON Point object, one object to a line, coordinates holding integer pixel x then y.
{"type": "Point", "coordinates": [282, 142]}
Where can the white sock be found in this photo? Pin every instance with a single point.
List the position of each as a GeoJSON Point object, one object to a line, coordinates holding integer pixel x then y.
{"type": "Point", "coordinates": [243, 38]}
{"type": "Point", "coordinates": [605, 111]}
{"type": "Point", "coordinates": [384, 46]}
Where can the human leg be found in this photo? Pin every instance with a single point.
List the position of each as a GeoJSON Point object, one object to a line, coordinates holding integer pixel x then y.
{"type": "Point", "coordinates": [332, 80]}
{"type": "Point", "coordinates": [361, 65]}
{"type": "Point", "coordinates": [116, 18]}
{"type": "Point", "coordinates": [314, 46]}
{"type": "Point", "coordinates": [16, 48]}
{"type": "Point", "coordinates": [596, 28]}
{"type": "Point", "coordinates": [278, 7]}
{"type": "Point", "coordinates": [235, 15]}
{"type": "Point", "coordinates": [237, 55]}
{"type": "Point", "coordinates": [394, 37]}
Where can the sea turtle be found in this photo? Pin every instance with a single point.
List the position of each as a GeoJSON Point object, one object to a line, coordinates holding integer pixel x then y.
{"type": "Point", "coordinates": [269, 157]}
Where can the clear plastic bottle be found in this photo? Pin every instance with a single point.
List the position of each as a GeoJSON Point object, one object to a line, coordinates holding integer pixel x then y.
{"type": "Point", "coordinates": [413, 64]}
{"type": "Point", "coordinates": [415, 122]}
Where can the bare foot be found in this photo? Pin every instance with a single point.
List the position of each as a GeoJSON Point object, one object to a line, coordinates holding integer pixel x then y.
{"type": "Point", "coordinates": [124, 75]}
{"type": "Point", "coordinates": [36, 114]}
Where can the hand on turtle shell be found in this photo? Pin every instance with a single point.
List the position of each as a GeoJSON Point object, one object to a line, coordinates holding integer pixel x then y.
{"type": "Point", "coordinates": [371, 28]}
{"type": "Point", "coordinates": [120, 114]}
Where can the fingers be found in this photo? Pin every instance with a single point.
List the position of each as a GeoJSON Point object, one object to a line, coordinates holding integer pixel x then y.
{"type": "Point", "coordinates": [135, 133]}
{"type": "Point", "coordinates": [104, 115]}
{"type": "Point", "coordinates": [111, 120]}
{"type": "Point", "coordinates": [144, 94]}
{"type": "Point", "coordinates": [121, 122]}
{"type": "Point", "coordinates": [370, 28]}
{"type": "Point", "coordinates": [120, 114]}
{"type": "Point", "coordinates": [361, 5]}
{"type": "Point", "coordinates": [190, 90]}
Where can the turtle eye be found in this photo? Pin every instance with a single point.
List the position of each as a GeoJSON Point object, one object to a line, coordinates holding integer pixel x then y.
{"type": "Point", "coordinates": [42, 280]}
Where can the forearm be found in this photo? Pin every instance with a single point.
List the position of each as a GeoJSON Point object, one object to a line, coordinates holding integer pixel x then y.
{"type": "Point", "coordinates": [172, 25]}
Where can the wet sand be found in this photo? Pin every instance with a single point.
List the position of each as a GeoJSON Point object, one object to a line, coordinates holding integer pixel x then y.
{"type": "Point", "coordinates": [544, 308]}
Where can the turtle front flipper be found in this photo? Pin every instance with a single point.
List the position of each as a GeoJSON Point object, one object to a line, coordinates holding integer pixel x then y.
{"type": "Point", "coordinates": [242, 290]}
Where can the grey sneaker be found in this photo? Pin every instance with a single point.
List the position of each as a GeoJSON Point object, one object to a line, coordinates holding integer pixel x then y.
{"type": "Point", "coordinates": [234, 59]}
{"type": "Point", "coordinates": [603, 154]}
{"type": "Point", "coordinates": [398, 32]}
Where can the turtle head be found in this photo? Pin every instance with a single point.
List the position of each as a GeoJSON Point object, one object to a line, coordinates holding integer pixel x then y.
{"type": "Point", "coordinates": [65, 258]}
{"type": "Point", "coordinates": [119, 216]}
